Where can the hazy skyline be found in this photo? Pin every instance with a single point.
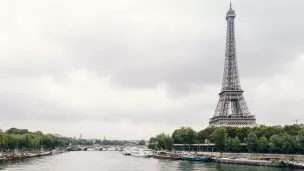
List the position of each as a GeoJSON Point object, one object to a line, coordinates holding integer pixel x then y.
{"type": "Point", "coordinates": [132, 69]}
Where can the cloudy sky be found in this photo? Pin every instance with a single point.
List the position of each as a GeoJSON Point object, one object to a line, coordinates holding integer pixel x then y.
{"type": "Point", "coordinates": [131, 69]}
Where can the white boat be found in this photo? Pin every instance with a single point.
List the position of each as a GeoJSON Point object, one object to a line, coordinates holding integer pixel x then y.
{"type": "Point", "coordinates": [134, 152]}
{"type": "Point", "coordinates": [146, 153]}
{"type": "Point", "coordinates": [45, 153]}
{"type": "Point", "coordinates": [141, 152]}
{"type": "Point", "coordinates": [111, 149]}
{"type": "Point", "coordinates": [126, 152]}
{"type": "Point", "coordinates": [181, 153]}
{"type": "Point", "coordinates": [55, 152]}
{"type": "Point", "coordinates": [31, 155]}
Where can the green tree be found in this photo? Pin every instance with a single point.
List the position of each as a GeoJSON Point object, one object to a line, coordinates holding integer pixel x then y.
{"type": "Point", "coordinates": [48, 141]}
{"type": "Point", "coordinates": [164, 141]}
{"type": "Point", "coordinates": [152, 140]}
{"type": "Point", "coordinates": [232, 131]}
{"type": "Point", "coordinates": [229, 144]}
{"type": "Point", "coordinates": [142, 142]}
{"type": "Point", "coordinates": [153, 145]}
{"type": "Point", "coordinates": [252, 142]}
{"type": "Point", "coordinates": [263, 144]}
{"type": "Point", "coordinates": [17, 131]}
{"type": "Point", "coordinates": [285, 144]}
{"type": "Point", "coordinates": [98, 142]}
{"type": "Point", "coordinates": [299, 142]}
{"type": "Point", "coordinates": [13, 141]}
{"type": "Point", "coordinates": [219, 138]}
{"type": "Point", "coordinates": [3, 140]}
{"type": "Point", "coordinates": [184, 135]}
{"type": "Point", "coordinates": [236, 144]}
{"type": "Point", "coordinates": [259, 131]}
{"type": "Point", "coordinates": [289, 144]}
{"type": "Point", "coordinates": [273, 130]}
{"type": "Point", "coordinates": [205, 135]}
{"type": "Point", "coordinates": [233, 144]}
{"type": "Point", "coordinates": [200, 137]}
{"type": "Point", "coordinates": [292, 129]}
{"type": "Point", "coordinates": [276, 143]}
{"type": "Point", "coordinates": [243, 132]}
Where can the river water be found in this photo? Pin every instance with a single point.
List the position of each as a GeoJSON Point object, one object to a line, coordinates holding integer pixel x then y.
{"type": "Point", "coordinates": [114, 160]}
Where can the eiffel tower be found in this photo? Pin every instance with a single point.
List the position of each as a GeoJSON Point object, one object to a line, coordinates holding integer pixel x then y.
{"type": "Point", "coordinates": [231, 109]}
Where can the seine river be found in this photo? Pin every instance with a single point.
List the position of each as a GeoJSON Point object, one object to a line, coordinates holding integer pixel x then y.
{"type": "Point", "coordinates": [113, 160]}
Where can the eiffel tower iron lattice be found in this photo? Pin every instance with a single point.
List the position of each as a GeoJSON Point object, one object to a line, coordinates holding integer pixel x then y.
{"type": "Point", "coordinates": [231, 109]}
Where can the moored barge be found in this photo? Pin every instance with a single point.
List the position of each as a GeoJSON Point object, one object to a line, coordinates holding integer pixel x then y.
{"type": "Point", "coordinates": [166, 155]}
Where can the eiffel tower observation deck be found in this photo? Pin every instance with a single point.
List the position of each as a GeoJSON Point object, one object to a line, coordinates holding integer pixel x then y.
{"type": "Point", "coordinates": [231, 109]}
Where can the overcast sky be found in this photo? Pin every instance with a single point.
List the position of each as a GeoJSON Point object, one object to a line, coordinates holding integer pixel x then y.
{"type": "Point", "coordinates": [129, 69]}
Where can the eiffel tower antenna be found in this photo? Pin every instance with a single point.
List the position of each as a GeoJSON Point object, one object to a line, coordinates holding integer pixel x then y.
{"type": "Point", "coordinates": [230, 5]}
{"type": "Point", "coordinates": [231, 109]}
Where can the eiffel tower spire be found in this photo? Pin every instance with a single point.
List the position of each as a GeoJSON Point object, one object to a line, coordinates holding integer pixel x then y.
{"type": "Point", "coordinates": [230, 5]}
{"type": "Point", "coordinates": [231, 109]}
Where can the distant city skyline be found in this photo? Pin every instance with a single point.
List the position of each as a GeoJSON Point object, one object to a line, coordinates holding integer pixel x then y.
{"type": "Point", "coordinates": [133, 69]}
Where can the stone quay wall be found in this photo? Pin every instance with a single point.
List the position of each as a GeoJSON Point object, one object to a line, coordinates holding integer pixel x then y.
{"type": "Point", "coordinates": [284, 157]}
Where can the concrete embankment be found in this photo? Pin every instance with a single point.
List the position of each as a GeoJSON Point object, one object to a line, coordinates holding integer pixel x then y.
{"type": "Point", "coordinates": [283, 157]}
{"type": "Point", "coordinates": [252, 162]}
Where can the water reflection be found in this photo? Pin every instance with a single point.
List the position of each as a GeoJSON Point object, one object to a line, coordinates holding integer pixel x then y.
{"type": "Point", "coordinates": [113, 161]}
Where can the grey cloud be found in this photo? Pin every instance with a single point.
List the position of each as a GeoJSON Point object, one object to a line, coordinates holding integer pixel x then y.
{"type": "Point", "coordinates": [267, 38]}
{"type": "Point", "coordinates": [139, 45]}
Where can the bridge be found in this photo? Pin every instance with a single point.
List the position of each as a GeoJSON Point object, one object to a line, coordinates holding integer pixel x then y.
{"type": "Point", "coordinates": [102, 147]}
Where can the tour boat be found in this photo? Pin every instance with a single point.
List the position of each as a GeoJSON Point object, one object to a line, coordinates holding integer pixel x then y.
{"type": "Point", "coordinates": [166, 155]}
{"type": "Point", "coordinates": [196, 158]}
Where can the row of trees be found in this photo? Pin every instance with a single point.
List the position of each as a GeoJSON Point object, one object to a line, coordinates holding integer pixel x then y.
{"type": "Point", "coordinates": [280, 142]}
{"type": "Point", "coordinates": [23, 139]}
{"type": "Point", "coordinates": [15, 138]}
{"type": "Point", "coordinates": [288, 139]}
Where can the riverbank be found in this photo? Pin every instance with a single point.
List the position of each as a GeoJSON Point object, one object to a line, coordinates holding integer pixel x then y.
{"type": "Point", "coordinates": [22, 154]}
{"type": "Point", "coordinates": [261, 156]}
{"type": "Point", "coordinates": [256, 159]}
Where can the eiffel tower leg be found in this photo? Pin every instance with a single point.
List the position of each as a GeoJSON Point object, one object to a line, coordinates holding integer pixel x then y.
{"type": "Point", "coordinates": [243, 106]}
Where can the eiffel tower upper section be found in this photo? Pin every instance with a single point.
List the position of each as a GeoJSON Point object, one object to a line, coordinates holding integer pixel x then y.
{"type": "Point", "coordinates": [231, 80]}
